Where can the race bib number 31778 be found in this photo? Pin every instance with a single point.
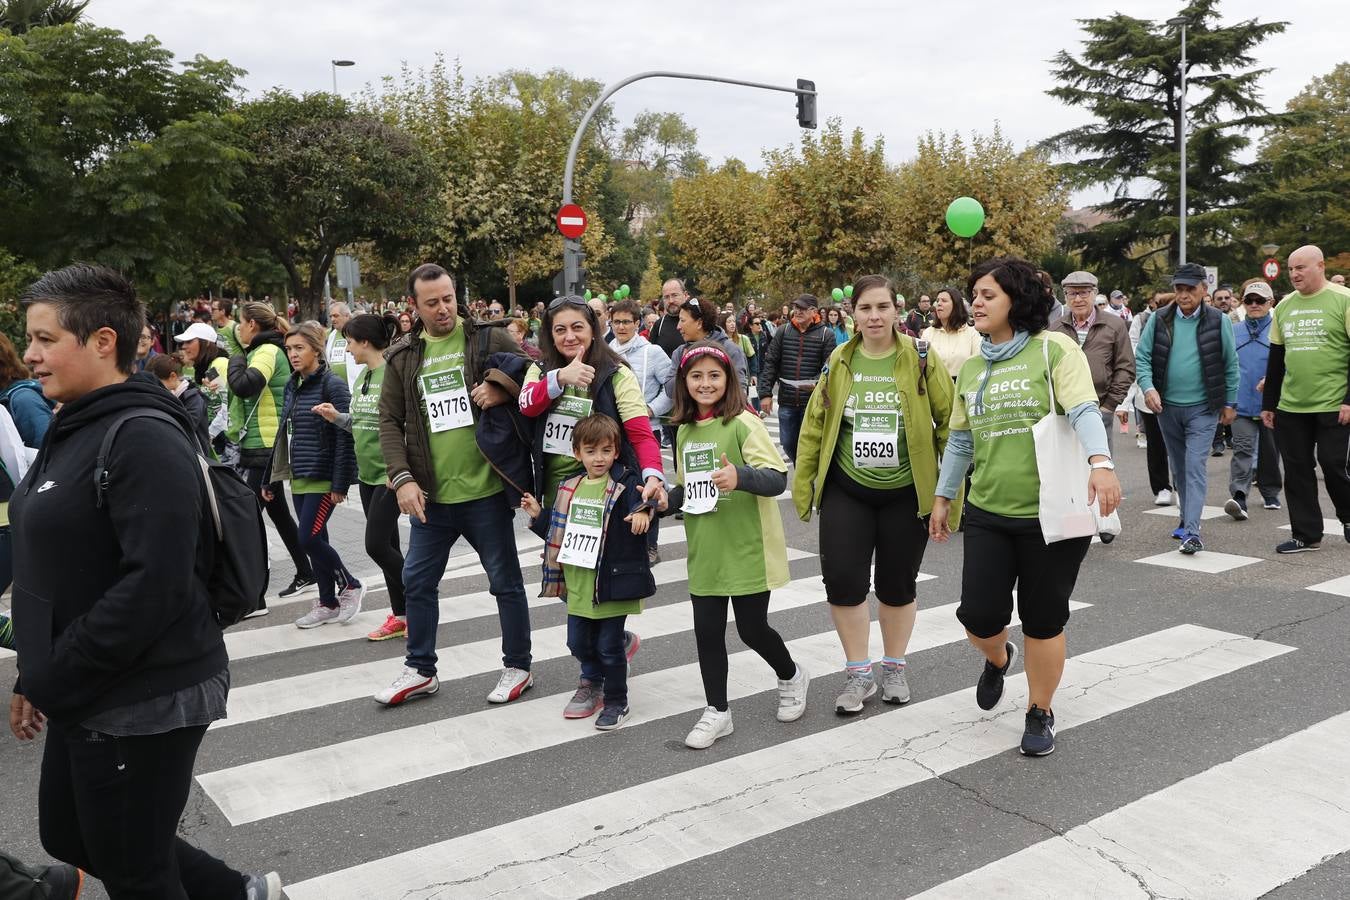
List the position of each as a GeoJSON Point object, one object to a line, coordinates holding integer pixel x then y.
{"type": "Point", "coordinates": [700, 494]}
{"type": "Point", "coordinates": [447, 400]}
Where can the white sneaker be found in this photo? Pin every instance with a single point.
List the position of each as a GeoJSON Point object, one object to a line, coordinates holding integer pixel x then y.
{"type": "Point", "coordinates": [349, 603]}
{"type": "Point", "coordinates": [712, 726]}
{"type": "Point", "coordinates": [410, 683]}
{"type": "Point", "coordinates": [792, 696]}
{"type": "Point", "coordinates": [1164, 498]}
{"type": "Point", "coordinates": [1141, 441]}
{"type": "Point", "coordinates": [319, 615]}
{"type": "Point", "coordinates": [258, 613]}
{"type": "Point", "coordinates": [511, 685]}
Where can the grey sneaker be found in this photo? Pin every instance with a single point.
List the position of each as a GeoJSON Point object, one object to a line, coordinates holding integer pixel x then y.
{"type": "Point", "coordinates": [349, 602]}
{"type": "Point", "coordinates": [262, 887]}
{"type": "Point", "coordinates": [894, 687]}
{"type": "Point", "coordinates": [589, 697]}
{"type": "Point", "coordinates": [318, 615]}
{"type": "Point", "coordinates": [857, 689]}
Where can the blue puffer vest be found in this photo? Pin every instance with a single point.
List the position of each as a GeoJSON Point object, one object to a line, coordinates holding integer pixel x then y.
{"type": "Point", "coordinates": [319, 449]}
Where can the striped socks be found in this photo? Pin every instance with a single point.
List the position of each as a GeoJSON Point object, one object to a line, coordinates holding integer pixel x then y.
{"type": "Point", "coordinates": [861, 668]}
{"type": "Point", "coordinates": [892, 662]}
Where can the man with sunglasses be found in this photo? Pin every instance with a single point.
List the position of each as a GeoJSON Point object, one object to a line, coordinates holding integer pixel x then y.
{"type": "Point", "coordinates": [1253, 446]}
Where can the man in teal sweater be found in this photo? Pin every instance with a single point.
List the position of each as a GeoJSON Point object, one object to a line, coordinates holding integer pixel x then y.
{"type": "Point", "coordinates": [1188, 370]}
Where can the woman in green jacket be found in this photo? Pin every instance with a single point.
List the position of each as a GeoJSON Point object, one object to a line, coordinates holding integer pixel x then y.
{"type": "Point", "coordinates": [867, 458]}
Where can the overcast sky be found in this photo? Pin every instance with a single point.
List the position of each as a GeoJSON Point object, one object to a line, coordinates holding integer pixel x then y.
{"type": "Point", "coordinates": [894, 69]}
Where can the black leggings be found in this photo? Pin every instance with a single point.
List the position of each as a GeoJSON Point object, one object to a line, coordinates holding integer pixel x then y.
{"type": "Point", "coordinates": [382, 545]}
{"type": "Point", "coordinates": [1159, 474]}
{"type": "Point", "coordinates": [752, 624]}
{"type": "Point", "coordinates": [111, 805]}
{"type": "Point", "coordinates": [858, 524]}
{"type": "Point", "coordinates": [280, 514]}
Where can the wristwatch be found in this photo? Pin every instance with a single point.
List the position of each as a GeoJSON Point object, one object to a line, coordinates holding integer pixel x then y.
{"type": "Point", "coordinates": [1104, 464]}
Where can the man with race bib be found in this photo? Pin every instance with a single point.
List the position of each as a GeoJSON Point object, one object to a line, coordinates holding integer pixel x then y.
{"type": "Point", "coordinates": [428, 409]}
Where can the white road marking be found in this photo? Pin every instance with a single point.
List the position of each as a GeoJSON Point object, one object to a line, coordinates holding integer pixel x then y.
{"type": "Point", "coordinates": [1206, 561]}
{"type": "Point", "coordinates": [267, 699]}
{"type": "Point", "coordinates": [615, 838]}
{"type": "Point", "coordinates": [1232, 832]}
{"type": "Point", "coordinates": [284, 784]}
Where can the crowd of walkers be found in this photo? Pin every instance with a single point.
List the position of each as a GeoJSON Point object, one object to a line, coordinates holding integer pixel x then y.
{"type": "Point", "coordinates": [899, 426]}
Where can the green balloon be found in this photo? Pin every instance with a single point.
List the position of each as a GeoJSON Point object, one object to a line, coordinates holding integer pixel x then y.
{"type": "Point", "coordinates": [965, 216]}
{"type": "Point", "coordinates": [848, 291]}
{"type": "Point", "coordinates": [624, 289]}
{"type": "Point", "coordinates": [837, 294]}
{"type": "Point", "coordinates": [587, 295]}
{"type": "Point", "coordinates": [602, 298]}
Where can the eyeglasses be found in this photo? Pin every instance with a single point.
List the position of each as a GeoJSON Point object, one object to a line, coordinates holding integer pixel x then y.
{"type": "Point", "coordinates": [1254, 300]}
{"type": "Point", "coordinates": [621, 323]}
{"type": "Point", "coordinates": [1075, 292]}
{"type": "Point", "coordinates": [567, 300]}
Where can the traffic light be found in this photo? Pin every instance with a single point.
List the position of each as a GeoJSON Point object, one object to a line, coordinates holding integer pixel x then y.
{"type": "Point", "coordinates": [806, 104]}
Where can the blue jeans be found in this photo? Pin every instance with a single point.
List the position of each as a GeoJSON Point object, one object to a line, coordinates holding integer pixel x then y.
{"type": "Point", "coordinates": [1188, 432]}
{"type": "Point", "coordinates": [789, 427]}
{"type": "Point", "coordinates": [598, 646]}
{"type": "Point", "coordinates": [487, 525]}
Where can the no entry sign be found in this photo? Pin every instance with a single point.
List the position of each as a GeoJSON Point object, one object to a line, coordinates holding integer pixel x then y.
{"type": "Point", "coordinates": [1271, 269]}
{"type": "Point", "coordinates": [572, 221]}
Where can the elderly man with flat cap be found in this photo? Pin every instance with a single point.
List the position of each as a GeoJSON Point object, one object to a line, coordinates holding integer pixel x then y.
{"type": "Point", "coordinates": [1188, 371]}
{"type": "Point", "coordinates": [1307, 396]}
{"type": "Point", "coordinates": [1105, 339]}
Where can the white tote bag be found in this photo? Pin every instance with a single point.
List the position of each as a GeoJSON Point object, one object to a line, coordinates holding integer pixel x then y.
{"type": "Point", "coordinates": [1062, 464]}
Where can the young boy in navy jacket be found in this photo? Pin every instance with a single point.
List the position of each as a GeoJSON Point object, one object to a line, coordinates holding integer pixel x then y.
{"type": "Point", "coordinates": [596, 560]}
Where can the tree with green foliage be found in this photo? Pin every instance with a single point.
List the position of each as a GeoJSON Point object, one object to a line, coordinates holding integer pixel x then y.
{"type": "Point", "coordinates": [1021, 193]}
{"type": "Point", "coordinates": [1304, 190]}
{"type": "Point", "coordinates": [18, 16]}
{"type": "Point", "coordinates": [110, 152]}
{"type": "Point", "coordinates": [716, 226]}
{"type": "Point", "coordinates": [829, 211]}
{"type": "Point", "coordinates": [319, 177]}
{"type": "Point", "coordinates": [1128, 77]}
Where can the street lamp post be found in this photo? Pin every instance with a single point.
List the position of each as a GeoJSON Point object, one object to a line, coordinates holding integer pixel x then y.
{"type": "Point", "coordinates": [1181, 21]}
{"type": "Point", "coordinates": [344, 63]}
{"type": "Point", "coordinates": [572, 255]}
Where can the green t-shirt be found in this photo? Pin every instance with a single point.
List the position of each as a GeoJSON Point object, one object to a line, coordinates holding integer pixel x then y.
{"type": "Point", "coordinates": [581, 581]}
{"type": "Point", "coordinates": [738, 548]}
{"type": "Point", "coordinates": [1016, 396]}
{"type": "Point", "coordinates": [879, 457]}
{"type": "Point", "coordinates": [230, 340]}
{"type": "Point", "coordinates": [366, 427]}
{"type": "Point", "coordinates": [311, 485]}
{"type": "Point", "coordinates": [570, 406]}
{"type": "Point", "coordinates": [1315, 332]}
{"type": "Point", "coordinates": [462, 474]}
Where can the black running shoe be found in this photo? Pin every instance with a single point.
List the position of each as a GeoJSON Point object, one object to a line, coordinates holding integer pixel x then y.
{"type": "Point", "coordinates": [990, 689]}
{"type": "Point", "coordinates": [1039, 738]}
{"type": "Point", "coordinates": [298, 584]}
{"type": "Point", "coordinates": [1294, 545]}
{"type": "Point", "coordinates": [63, 881]}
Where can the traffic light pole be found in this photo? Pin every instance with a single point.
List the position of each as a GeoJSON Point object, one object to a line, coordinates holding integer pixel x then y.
{"type": "Point", "coordinates": [572, 255]}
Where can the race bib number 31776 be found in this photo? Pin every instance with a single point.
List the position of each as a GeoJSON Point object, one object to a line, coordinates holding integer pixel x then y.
{"type": "Point", "coordinates": [447, 400]}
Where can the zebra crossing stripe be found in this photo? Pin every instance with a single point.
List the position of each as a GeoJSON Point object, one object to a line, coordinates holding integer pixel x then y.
{"type": "Point", "coordinates": [267, 699]}
{"type": "Point", "coordinates": [663, 823]}
{"type": "Point", "coordinates": [285, 784]}
{"type": "Point", "coordinates": [1233, 832]}
{"type": "Point", "coordinates": [253, 642]}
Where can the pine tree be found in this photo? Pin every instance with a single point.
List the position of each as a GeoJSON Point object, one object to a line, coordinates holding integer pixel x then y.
{"type": "Point", "coordinates": [1128, 77]}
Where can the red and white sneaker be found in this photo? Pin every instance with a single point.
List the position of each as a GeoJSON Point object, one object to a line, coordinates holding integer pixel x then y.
{"type": "Point", "coordinates": [631, 643]}
{"type": "Point", "coordinates": [511, 685]}
{"type": "Point", "coordinates": [393, 627]}
{"type": "Point", "coordinates": [409, 684]}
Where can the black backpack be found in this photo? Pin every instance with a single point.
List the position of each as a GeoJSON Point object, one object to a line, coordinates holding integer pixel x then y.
{"type": "Point", "coordinates": [239, 560]}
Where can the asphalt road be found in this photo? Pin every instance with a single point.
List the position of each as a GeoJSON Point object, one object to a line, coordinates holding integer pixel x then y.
{"type": "Point", "coordinates": [1204, 725]}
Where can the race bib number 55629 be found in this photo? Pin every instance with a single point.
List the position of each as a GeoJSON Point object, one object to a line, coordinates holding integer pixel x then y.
{"type": "Point", "coordinates": [875, 444]}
